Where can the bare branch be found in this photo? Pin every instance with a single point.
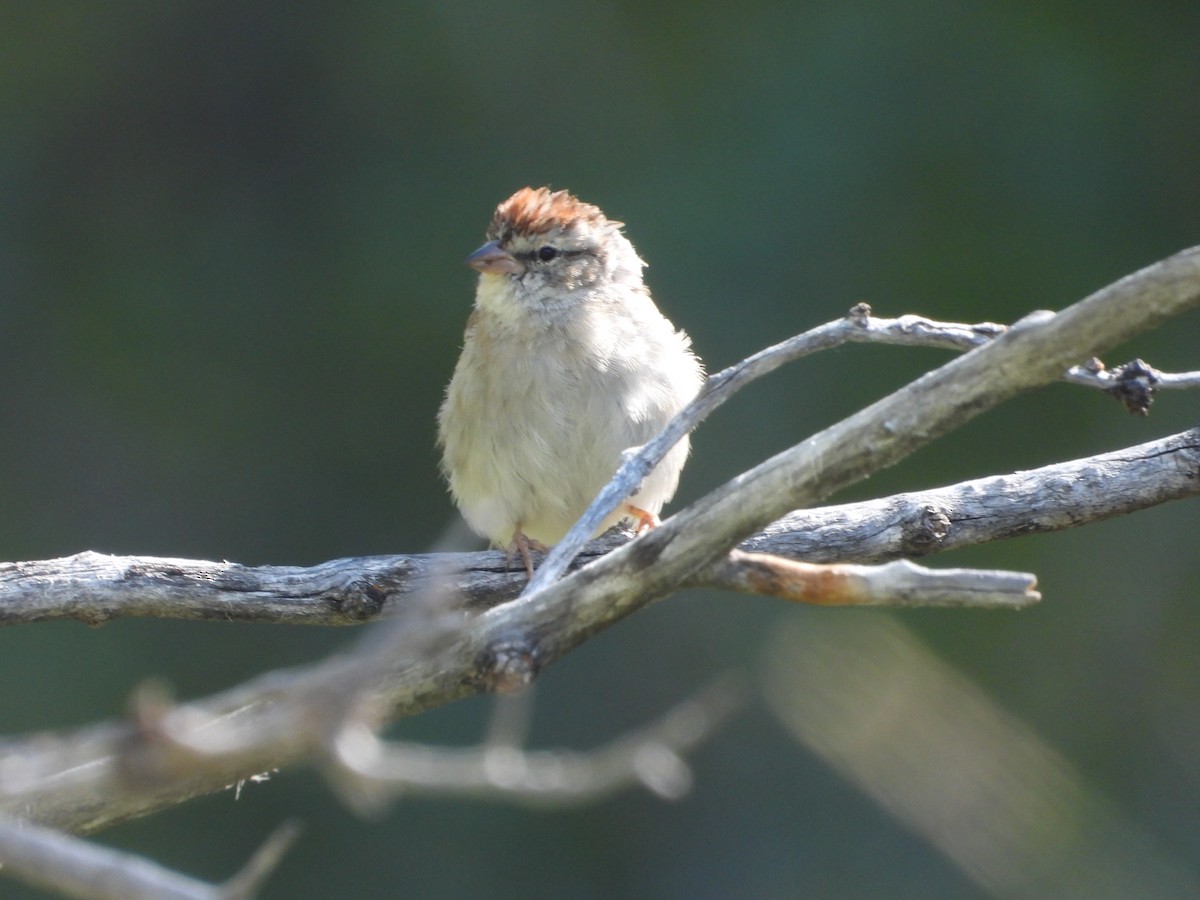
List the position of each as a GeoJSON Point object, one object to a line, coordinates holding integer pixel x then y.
{"type": "Point", "coordinates": [1052, 498]}
{"type": "Point", "coordinates": [897, 584]}
{"type": "Point", "coordinates": [77, 781]}
{"type": "Point", "coordinates": [368, 769]}
{"type": "Point", "coordinates": [858, 326]}
{"type": "Point", "coordinates": [77, 868]}
{"type": "Point", "coordinates": [1158, 291]}
{"type": "Point", "coordinates": [1034, 352]}
{"type": "Point", "coordinates": [94, 588]}
{"type": "Point", "coordinates": [105, 773]}
{"type": "Point", "coordinates": [264, 861]}
{"type": "Point", "coordinates": [1133, 383]}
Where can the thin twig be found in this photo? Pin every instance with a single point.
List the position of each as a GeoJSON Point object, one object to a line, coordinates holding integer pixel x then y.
{"type": "Point", "coordinates": [651, 757]}
{"type": "Point", "coordinates": [899, 584]}
{"type": "Point", "coordinates": [936, 751]}
{"type": "Point", "coordinates": [1134, 383]}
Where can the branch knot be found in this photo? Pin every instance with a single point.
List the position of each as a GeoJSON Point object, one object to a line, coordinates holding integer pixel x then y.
{"type": "Point", "coordinates": [509, 666]}
{"type": "Point", "coordinates": [361, 601]}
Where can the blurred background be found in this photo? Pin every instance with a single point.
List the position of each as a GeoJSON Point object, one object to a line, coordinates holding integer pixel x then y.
{"type": "Point", "coordinates": [231, 293]}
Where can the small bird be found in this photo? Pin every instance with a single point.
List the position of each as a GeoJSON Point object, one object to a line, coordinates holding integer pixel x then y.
{"type": "Point", "coordinates": [566, 362]}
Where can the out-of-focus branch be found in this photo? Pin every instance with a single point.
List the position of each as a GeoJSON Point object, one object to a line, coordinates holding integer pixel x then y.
{"type": "Point", "coordinates": [935, 751]}
{"type": "Point", "coordinates": [77, 868]}
{"type": "Point", "coordinates": [368, 770]}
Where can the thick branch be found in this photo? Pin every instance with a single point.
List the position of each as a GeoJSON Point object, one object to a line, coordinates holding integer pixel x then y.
{"type": "Point", "coordinates": [1052, 498]}
{"type": "Point", "coordinates": [93, 587]}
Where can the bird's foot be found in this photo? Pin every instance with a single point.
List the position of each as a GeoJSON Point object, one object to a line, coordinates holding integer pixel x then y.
{"type": "Point", "coordinates": [643, 520]}
{"type": "Point", "coordinates": [524, 546]}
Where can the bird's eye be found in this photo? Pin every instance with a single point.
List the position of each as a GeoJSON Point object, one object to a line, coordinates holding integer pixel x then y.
{"type": "Point", "coordinates": [545, 254]}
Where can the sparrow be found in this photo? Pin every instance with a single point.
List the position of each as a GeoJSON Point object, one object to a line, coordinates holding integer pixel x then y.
{"type": "Point", "coordinates": [565, 363]}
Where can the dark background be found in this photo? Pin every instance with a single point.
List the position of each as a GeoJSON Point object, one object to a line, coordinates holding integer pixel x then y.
{"type": "Point", "coordinates": [231, 293]}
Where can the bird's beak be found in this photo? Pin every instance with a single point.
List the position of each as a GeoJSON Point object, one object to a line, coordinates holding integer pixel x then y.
{"type": "Point", "coordinates": [492, 259]}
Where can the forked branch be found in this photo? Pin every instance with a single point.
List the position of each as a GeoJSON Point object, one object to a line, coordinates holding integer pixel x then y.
{"type": "Point", "coordinates": [438, 650]}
